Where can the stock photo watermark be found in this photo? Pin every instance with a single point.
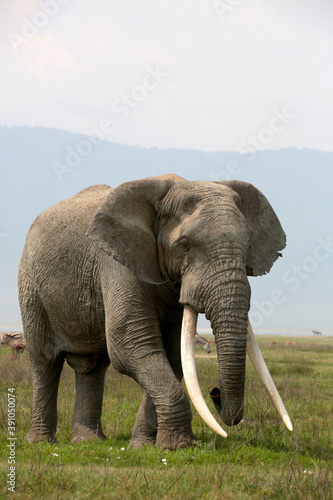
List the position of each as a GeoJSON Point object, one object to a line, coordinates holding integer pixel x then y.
{"type": "Point", "coordinates": [121, 109]}
{"type": "Point", "coordinates": [293, 278]}
{"type": "Point", "coordinates": [32, 26]}
{"type": "Point", "coordinates": [11, 446]}
{"type": "Point", "coordinates": [225, 8]}
{"type": "Point", "coordinates": [278, 123]}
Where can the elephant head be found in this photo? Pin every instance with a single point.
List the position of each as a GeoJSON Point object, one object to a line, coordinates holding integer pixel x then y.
{"type": "Point", "coordinates": [206, 237]}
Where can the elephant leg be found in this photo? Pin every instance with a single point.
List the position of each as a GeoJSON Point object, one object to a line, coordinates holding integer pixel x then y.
{"type": "Point", "coordinates": [182, 437]}
{"type": "Point", "coordinates": [171, 403]}
{"type": "Point", "coordinates": [46, 364]}
{"type": "Point", "coordinates": [89, 380]}
{"type": "Point", "coordinates": [145, 428]}
{"type": "Point", "coordinates": [46, 377]}
{"type": "Point", "coordinates": [165, 395]}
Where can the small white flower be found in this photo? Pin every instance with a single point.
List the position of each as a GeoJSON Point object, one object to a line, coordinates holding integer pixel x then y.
{"type": "Point", "coordinates": [118, 458]}
{"type": "Point", "coordinates": [163, 459]}
{"type": "Point", "coordinates": [122, 449]}
{"type": "Point", "coordinates": [110, 448]}
{"type": "Point", "coordinates": [55, 454]}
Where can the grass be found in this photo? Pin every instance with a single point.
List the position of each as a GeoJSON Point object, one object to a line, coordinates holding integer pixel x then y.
{"type": "Point", "coordinates": [260, 459]}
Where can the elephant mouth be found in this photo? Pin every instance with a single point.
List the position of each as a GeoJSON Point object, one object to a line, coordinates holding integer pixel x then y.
{"type": "Point", "coordinates": [191, 379]}
{"type": "Point", "coordinates": [215, 396]}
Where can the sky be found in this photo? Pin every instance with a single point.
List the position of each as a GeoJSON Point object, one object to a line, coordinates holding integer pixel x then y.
{"type": "Point", "coordinates": [210, 75]}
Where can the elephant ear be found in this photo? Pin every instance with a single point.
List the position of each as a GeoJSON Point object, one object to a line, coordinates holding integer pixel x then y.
{"type": "Point", "coordinates": [268, 236]}
{"type": "Point", "coordinates": [125, 225]}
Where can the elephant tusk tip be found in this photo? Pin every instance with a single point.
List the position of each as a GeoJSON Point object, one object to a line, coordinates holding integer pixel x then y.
{"type": "Point", "coordinates": [287, 422]}
{"type": "Point", "coordinates": [221, 432]}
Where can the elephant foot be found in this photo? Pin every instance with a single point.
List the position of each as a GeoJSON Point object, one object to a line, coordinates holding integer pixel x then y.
{"type": "Point", "coordinates": [81, 432]}
{"type": "Point", "coordinates": [142, 434]}
{"type": "Point", "coordinates": [37, 435]}
{"type": "Point", "coordinates": [174, 440]}
{"type": "Point", "coordinates": [138, 442]}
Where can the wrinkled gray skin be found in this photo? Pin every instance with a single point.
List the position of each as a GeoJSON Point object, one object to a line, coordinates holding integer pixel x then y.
{"type": "Point", "coordinates": [153, 245]}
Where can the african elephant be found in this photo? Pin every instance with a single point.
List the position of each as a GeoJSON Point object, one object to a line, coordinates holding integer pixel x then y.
{"type": "Point", "coordinates": [106, 275]}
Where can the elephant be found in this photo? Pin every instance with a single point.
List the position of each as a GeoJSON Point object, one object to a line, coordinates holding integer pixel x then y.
{"type": "Point", "coordinates": [107, 276]}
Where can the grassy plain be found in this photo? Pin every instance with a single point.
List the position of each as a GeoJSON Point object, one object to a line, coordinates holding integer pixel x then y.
{"type": "Point", "coordinates": [260, 459]}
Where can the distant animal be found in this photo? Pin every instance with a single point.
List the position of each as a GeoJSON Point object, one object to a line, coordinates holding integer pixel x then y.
{"type": "Point", "coordinates": [316, 332]}
{"type": "Point", "coordinates": [273, 343]}
{"type": "Point", "coordinates": [203, 343]}
{"type": "Point", "coordinates": [287, 342]}
{"type": "Point", "coordinates": [18, 347]}
{"type": "Point", "coordinates": [6, 337]}
{"type": "Point", "coordinates": [294, 342]}
{"type": "Point", "coordinates": [311, 344]}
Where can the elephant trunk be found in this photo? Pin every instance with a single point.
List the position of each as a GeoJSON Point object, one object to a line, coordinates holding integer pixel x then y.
{"type": "Point", "coordinates": [228, 315]}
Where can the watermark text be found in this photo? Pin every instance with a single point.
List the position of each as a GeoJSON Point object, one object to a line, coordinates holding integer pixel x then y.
{"type": "Point", "coordinates": [121, 108]}
{"type": "Point", "coordinates": [11, 454]}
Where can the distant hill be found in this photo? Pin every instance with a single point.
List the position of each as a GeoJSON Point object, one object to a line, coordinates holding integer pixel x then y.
{"type": "Point", "coordinates": [41, 166]}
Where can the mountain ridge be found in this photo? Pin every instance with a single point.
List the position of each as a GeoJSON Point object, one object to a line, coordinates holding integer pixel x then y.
{"type": "Point", "coordinates": [297, 182]}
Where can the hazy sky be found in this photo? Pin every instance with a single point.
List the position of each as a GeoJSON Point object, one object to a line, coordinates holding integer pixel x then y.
{"type": "Point", "coordinates": [211, 75]}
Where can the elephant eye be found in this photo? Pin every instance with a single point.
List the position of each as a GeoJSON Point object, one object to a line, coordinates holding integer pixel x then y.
{"type": "Point", "coordinates": [184, 244]}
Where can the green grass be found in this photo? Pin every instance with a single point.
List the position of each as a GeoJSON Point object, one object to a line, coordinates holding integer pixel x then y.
{"type": "Point", "coordinates": [260, 459]}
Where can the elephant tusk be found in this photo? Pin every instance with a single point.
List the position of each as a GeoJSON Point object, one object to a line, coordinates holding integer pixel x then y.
{"type": "Point", "coordinates": [265, 377]}
{"type": "Point", "coordinates": [189, 370]}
